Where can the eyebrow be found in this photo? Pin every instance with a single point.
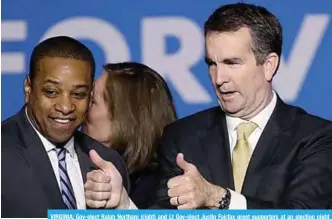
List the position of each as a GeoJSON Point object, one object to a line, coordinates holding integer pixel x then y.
{"type": "Point", "coordinates": [226, 60]}
{"type": "Point", "coordinates": [208, 60]}
{"type": "Point", "coordinates": [81, 86]}
{"type": "Point", "coordinates": [234, 59]}
{"type": "Point", "coordinates": [52, 81]}
{"type": "Point", "coordinates": [76, 86]}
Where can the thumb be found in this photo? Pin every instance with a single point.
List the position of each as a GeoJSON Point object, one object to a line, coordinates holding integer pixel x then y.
{"type": "Point", "coordinates": [97, 160]}
{"type": "Point", "coordinates": [184, 165]}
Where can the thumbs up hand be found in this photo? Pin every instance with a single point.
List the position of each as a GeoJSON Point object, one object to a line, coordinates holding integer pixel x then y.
{"type": "Point", "coordinates": [104, 188]}
{"type": "Point", "coordinates": [184, 165]}
{"type": "Point", "coordinates": [190, 190]}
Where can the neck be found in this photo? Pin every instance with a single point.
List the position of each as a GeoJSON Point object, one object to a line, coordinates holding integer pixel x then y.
{"type": "Point", "coordinates": [58, 145]}
{"type": "Point", "coordinates": [266, 101]}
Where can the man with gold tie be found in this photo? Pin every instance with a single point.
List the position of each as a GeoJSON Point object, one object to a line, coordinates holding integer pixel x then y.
{"type": "Point", "coordinates": [253, 150]}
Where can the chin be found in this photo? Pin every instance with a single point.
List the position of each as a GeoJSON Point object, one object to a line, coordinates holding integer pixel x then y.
{"type": "Point", "coordinates": [59, 141]}
{"type": "Point", "coordinates": [234, 112]}
{"type": "Point", "coordinates": [229, 109]}
{"type": "Point", "coordinates": [64, 137]}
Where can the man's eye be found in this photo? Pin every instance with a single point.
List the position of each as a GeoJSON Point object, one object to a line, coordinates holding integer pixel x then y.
{"type": "Point", "coordinates": [210, 63]}
{"type": "Point", "coordinates": [79, 95]}
{"type": "Point", "coordinates": [232, 62]}
{"type": "Point", "coordinates": [50, 93]}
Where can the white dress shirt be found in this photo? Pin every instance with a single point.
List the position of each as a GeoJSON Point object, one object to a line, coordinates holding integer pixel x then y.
{"type": "Point", "coordinates": [238, 201]}
{"type": "Point", "coordinates": [73, 166]}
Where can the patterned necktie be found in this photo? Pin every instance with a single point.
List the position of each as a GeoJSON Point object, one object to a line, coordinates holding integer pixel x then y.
{"type": "Point", "coordinates": [67, 191]}
{"type": "Point", "coordinates": [242, 153]}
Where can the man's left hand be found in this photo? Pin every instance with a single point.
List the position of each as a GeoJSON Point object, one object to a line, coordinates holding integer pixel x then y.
{"type": "Point", "coordinates": [104, 188]}
{"type": "Point", "coordinates": [191, 190]}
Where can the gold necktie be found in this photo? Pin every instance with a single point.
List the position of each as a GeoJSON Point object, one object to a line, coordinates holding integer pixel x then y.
{"type": "Point", "coordinates": [242, 153]}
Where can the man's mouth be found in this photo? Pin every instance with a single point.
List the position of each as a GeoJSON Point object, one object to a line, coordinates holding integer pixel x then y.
{"type": "Point", "coordinates": [227, 92]}
{"type": "Point", "coordinates": [62, 121]}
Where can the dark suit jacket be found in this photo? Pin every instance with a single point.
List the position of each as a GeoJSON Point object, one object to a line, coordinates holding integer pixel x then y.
{"type": "Point", "coordinates": [143, 187]}
{"type": "Point", "coordinates": [291, 166]}
{"type": "Point", "coordinates": [28, 184]}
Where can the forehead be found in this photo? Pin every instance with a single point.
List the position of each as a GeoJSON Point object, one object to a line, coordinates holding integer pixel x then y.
{"type": "Point", "coordinates": [237, 43]}
{"type": "Point", "coordinates": [101, 81]}
{"type": "Point", "coordinates": [64, 70]}
{"type": "Point", "coordinates": [100, 84]}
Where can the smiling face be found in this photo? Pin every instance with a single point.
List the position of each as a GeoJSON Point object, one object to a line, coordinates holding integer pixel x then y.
{"type": "Point", "coordinates": [58, 98]}
{"type": "Point", "coordinates": [243, 88]}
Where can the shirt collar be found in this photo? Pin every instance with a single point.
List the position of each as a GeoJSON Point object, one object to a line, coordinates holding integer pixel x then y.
{"type": "Point", "coordinates": [48, 145]}
{"type": "Point", "coordinates": [260, 119]}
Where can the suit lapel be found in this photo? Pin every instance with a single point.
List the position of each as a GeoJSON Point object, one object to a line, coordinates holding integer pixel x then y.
{"type": "Point", "coordinates": [274, 134]}
{"type": "Point", "coordinates": [82, 151]}
{"type": "Point", "coordinates": [217, 149]}
{"type": "Point", "coordinates": [38, 160]}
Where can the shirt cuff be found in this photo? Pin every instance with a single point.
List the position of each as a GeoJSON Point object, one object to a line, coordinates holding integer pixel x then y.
{"type": "Point", "coordinates": [238, 201]}
{"type": "Point", "coordinates": [132, 206]}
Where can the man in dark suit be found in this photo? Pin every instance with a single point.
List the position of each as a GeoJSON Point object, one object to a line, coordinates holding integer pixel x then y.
{"type": "Point", "coordinates": [45, 160]}
{"type": "Point", "coordinates": [253, 151]}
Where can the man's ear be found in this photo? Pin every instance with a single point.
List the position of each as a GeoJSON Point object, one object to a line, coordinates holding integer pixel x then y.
{"type": "Point", "coordinates": [270, 66]}
{"type": "Point", "coordinates": [27, 89]}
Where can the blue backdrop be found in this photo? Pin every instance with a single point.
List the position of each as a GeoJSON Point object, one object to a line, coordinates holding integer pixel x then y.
{"type": "Point", "coordinates": [168, 36]}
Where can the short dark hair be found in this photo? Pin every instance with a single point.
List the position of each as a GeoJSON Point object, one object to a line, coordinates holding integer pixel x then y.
{"type": "Point", "coordinates": [60, 47]}
{"type": "Point", "coordinates": [265, 29]}
{"type": "Point", "coordinates": [140, 105]}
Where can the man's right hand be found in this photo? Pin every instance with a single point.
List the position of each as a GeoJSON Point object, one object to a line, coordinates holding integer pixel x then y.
{"type": "Point", "coordinates": [104, 188]}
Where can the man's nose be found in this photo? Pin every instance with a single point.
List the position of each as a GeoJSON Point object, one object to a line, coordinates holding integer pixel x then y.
{"type": "Point", "coordinates": [222, 76]}
{"type": "Point", "coordinates": [65, 105]}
